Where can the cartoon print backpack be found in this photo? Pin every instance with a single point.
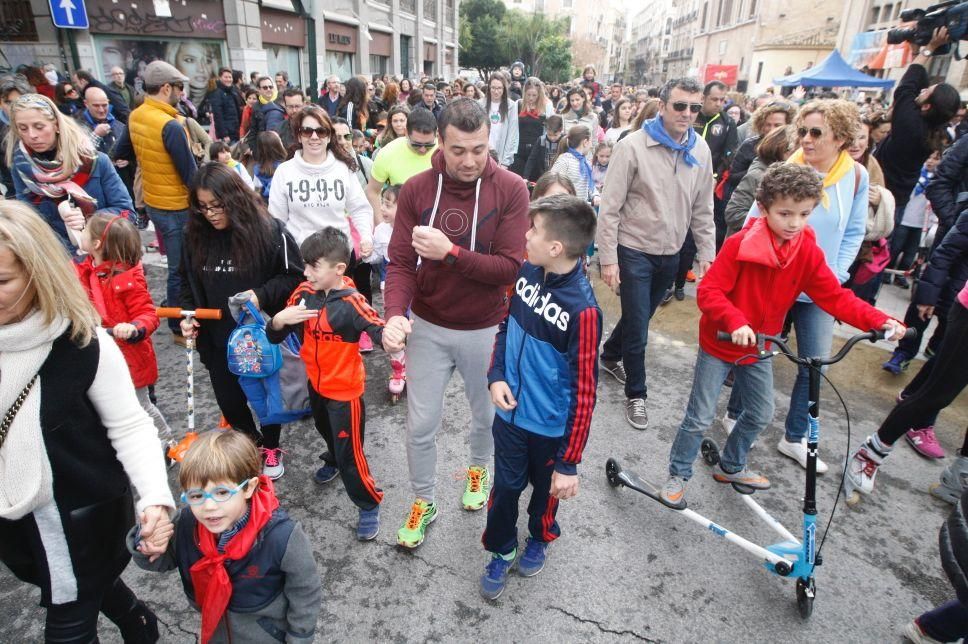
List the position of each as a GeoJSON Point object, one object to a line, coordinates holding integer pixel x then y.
{"type": "Point", "coordinates": [250, 354]}
{"type": "Point", "coordinates": [272, 376]}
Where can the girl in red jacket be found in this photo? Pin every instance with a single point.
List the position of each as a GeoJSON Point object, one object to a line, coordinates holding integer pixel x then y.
{"type": "Point", "coordinates": [114, 280]}
{"type": "Point", "coordinates": [756, 278]}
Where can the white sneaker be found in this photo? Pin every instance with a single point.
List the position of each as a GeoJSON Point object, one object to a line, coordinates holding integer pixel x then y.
{"type": "Point", "coordinates": [728, 423]}
{"type": "Point", "coordinates": [798, 452]}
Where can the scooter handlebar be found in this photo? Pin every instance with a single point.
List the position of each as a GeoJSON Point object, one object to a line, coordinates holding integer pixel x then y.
{"type": "Point", "coordinates": [199, 314]}
{"type": "Point", "coordinates": [761, 338]}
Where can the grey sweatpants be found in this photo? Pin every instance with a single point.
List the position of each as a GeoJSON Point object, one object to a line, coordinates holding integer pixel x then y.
{"type": "Point", "coordinates": [433, 352]}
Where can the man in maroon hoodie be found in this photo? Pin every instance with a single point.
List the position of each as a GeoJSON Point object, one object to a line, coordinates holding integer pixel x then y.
{"type": "Point", "coordinates": [458, 243]}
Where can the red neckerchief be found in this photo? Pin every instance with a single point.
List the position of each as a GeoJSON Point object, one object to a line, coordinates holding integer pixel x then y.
{"type": "Point", "coordinates": [759, 246]}
{"type": "Point", "coordinates": [213, 588]}
{"type": "Point", "coordinates": [532, 113]}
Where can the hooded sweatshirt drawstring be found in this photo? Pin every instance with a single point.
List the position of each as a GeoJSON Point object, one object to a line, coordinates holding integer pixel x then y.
{"type": "Point", "coordinates": [477, 201]}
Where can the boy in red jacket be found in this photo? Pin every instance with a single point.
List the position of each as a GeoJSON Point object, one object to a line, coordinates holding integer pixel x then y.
{"type": "Point", "coordinates": [754, 281]}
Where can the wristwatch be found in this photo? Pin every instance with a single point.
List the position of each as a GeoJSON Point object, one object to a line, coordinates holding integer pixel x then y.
{"type": "Point", "coordinates": [925, 52]}
{"type": "Point", "coordinates": [451, 257]}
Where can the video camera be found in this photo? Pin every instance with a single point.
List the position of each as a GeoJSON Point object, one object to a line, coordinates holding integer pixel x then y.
{"type": "Point", "coordinates": [952, 14]}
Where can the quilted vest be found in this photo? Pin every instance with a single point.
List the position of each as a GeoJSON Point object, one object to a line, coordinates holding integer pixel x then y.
{"type": "Point", "coordinates": [163, 185]}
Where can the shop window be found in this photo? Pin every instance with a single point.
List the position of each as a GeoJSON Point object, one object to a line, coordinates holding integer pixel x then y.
{"type": "Point", "coordinates": [17, 21]}
{"type": "Point", "coordinates": [339, 63]}
{"type": "Point", "coordinates": [379, 64]}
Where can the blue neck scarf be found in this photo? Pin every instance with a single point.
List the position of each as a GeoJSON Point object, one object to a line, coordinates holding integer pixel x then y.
{"type": "Point", "coordinates": [656, 129]}
{"type": "Point", "coordinates": [90, 119]}
{"type": "Point", "coordinates": [586, 170]}
{"type": "Point", "coordinates": [923, 181]}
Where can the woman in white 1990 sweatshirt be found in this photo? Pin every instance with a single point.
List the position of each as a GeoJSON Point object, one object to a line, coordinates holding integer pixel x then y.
{"type": "Point", "coordinates": [318, 186]}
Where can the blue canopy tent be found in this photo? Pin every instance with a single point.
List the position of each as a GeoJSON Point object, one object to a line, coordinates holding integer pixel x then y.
{"type": "Point", "coordinates": [832, 72]}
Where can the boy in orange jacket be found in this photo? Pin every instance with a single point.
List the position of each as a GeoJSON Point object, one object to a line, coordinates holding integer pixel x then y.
{"type": "Point", "coordinates": [330, 316]}
{"type": "Point", "coordinates": [756, 278]}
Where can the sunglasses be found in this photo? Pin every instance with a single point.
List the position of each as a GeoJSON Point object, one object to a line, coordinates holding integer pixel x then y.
{"type": "Point", "coordinates": [179, 86]}
{"type": "Point", "coordinates": [425, 146]}
{"type": "Point", "coordinates": [680, 106]}
{"type": "Point", "coordinates": [320, 132]}
{"type": "Point", "coordinates": [347, 137]}
{"type": "Point", "coordinates": [265, 86]}
{"type": "Point", "coordinates": [814, 132]}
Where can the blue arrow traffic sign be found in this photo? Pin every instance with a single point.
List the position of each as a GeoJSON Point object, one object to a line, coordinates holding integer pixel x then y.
{"type": "Point", "coordinates": [69, 14]}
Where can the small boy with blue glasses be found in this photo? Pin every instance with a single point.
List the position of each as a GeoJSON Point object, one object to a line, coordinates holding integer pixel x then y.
{"type": "Point", "coordinates": [244, 564]}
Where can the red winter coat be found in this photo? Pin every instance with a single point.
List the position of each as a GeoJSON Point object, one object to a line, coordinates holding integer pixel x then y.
{"type": "Point", "coordinates": [124, 297]}
{"type": "Point", "coordinates": [750, 284]}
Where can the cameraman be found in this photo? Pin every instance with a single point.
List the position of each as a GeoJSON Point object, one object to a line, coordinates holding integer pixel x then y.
{"type": "Point", "coordinates": [920, 114]}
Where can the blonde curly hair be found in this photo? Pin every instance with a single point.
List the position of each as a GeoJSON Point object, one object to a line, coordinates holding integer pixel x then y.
{"type": "Point", "coordinates": [842, 117]}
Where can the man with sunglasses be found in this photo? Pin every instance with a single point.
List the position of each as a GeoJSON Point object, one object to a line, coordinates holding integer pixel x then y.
{"type": "Point", "coordinates": [404, 157]}
{"type": "Point", "coordinates": [162, 148]}
{"type": "Point", "coordinates": [660, 185]}
{"type": "Point", "coordinates": [268, 114]}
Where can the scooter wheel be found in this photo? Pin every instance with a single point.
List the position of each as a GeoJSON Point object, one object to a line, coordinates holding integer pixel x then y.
{"type": "Point", "coordinates": [805, 595]}
{"type": "Point", "coordinates": [852, 499]}
{"type": "Point", "coordinates": [710, 451]}
{"type": "Point", "coordinates": [612, 468]}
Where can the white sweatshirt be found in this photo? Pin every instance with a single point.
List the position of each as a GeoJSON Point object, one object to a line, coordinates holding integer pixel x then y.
{"type": "Point", "coordinates": [309, 197]}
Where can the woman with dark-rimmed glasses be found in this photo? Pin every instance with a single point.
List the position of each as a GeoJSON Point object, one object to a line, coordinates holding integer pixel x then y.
{"type": "Point", "coordinates": [232, 245]}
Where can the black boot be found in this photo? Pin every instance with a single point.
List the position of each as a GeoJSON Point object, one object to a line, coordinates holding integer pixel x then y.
{"type": "Point", "coordinates": [139, 625]}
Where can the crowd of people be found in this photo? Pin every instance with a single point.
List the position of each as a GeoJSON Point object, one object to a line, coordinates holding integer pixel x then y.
{"type": "Point", "coordinates": [475, 214]}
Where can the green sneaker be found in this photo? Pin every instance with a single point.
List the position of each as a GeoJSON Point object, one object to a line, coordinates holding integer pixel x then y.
{"type": "Point", "coordinates": [476, 489]}
{"type": "Point", "coordinates": [413, 531]}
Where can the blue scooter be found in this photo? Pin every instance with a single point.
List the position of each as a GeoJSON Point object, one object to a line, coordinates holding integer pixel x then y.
{"type": "Point", "coordinates": [792, 556]}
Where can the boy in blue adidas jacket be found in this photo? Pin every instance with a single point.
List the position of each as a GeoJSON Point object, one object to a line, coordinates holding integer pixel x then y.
{"type": "Point", "coordinates": [543, 377]}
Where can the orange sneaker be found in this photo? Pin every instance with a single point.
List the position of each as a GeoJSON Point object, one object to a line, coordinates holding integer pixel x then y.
{"type": "Point", "coordinates": [224, 424]}
{"type": "Point", "coordinates": [690, 276]}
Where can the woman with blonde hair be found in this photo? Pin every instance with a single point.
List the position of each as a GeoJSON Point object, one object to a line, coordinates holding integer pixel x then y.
{"type": "Point", "coordinates": [56, 169]}
{"type": "Point", "coordinates": [533, 110]}
{"type": "Point", "coordinates": [77, 442]}
{"type": "Point", "coordinates": [825, 129]}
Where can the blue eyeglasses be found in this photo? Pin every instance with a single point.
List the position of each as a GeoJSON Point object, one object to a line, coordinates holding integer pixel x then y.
{"type": "Point", "coordinates": [221, 494]}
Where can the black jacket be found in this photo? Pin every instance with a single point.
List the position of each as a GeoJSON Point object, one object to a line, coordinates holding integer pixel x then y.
{"type": "Point", "coordinates": [91, 489]}
{"type": "Point", "coordinates": [903, 151]}
{"type": "Point", "coordinates": [272, 283]}
{"type": "Point", "coordinates": [264, 117]}
{"type": "Point", "coordinates": [948, 191]}
{"type": "Point", "coordinates": [719, 131]}
{"type": "Point", "coordinates": [947, 270]}
{"type": "Point", "coordinates": [226, 105]}
{"type": "Point", "coordinates": [953, 546]}
{"type": "Point", "coordinates": [538, 160]}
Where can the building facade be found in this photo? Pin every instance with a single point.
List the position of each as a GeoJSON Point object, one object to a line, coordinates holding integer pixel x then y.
{"type": "Point", "coordinates": [309, 39]}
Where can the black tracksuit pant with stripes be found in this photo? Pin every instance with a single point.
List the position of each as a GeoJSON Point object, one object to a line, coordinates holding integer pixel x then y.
{"type": "Point", "coordinates": [341, 424]}
{"type": "Point", "coordinates": [520, 457]}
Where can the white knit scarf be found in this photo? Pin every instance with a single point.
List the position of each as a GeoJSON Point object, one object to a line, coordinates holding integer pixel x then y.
{"type": "Point", "coordinates": [26, 482]}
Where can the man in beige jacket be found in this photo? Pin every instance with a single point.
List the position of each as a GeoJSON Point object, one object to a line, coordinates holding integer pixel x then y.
{"type": "Point", "coordinates": [659, 185]}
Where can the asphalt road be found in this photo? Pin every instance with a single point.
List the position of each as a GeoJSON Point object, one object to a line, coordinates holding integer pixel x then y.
{"type": "Point", "coordinates": [625, 569]}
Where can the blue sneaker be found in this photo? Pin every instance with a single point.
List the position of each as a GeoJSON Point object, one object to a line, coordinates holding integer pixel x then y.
{"type": "Point", "coordinates": [495, 576]}
{"type": "Point", "coordinates": [369, 525]}
{"type": "Point", "coordinates": [898, 363]}
{"type": "Point", "coordinates": [533, 559]}
{"type": "Point", "coordinates": [325, 474]}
